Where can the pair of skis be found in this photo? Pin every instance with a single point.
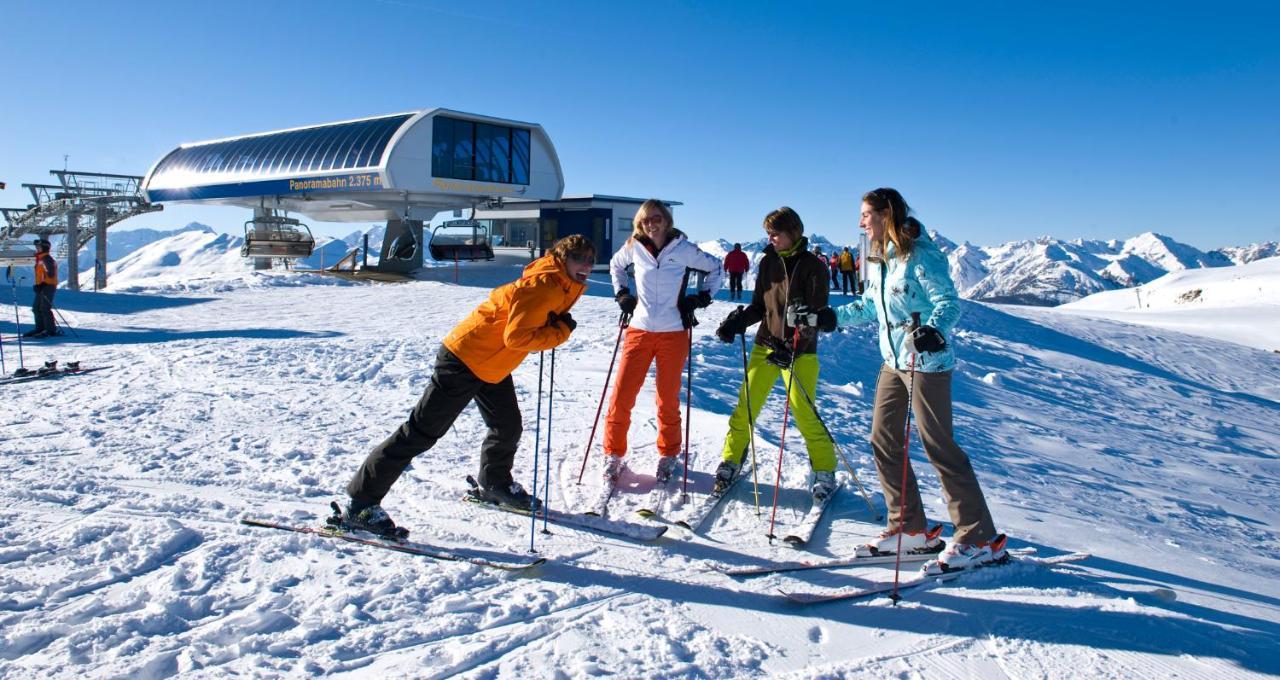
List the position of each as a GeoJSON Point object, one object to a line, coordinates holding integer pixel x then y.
{"type": "Point", "coordinates": [704, 506]}
{"type": "Point", "coordinates": [45, 373]}
{"type": "Point", "coordinates": [399, 545]}
{"type": "Point", "coordinates": [923, 579]}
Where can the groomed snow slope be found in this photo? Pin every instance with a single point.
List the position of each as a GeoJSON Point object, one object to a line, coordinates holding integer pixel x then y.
{"type": "Point", "coordinates": [1239, 304]}
{"type": "Point", "coordinates": [121, 556]}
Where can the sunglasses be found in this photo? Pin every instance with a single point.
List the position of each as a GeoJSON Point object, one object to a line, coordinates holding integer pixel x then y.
{"type": "Point", "coordinates": [581, 259]}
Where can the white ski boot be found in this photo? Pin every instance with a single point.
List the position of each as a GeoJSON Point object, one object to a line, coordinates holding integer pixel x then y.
{"type": "Point", "coordinates": [912, 543]}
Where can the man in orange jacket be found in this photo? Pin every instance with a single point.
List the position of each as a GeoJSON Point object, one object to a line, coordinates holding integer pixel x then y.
{"type": "Point", "coordinates": [475, 364]}
{"type": "Point", "coordinates": [45, 286]}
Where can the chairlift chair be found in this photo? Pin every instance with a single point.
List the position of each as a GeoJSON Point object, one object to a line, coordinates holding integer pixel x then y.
{"type": "Point", "coordinates": [16, 252]}
{"type": "Point", "coordinates": [461, 240]}
{"type": "Point", "coordinates": [276, 236]}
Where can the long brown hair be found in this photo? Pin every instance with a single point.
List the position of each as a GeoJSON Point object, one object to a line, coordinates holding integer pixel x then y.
{"type": "Point", "coordinates": [900, 228]}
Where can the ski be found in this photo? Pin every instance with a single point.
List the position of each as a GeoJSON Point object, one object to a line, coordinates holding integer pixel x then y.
{"type": "Point", "coordinates": [800, 535]}
{"type": "Point", "coordinates": [658, 497]}
{"type": "Point", "coordinates": [41, 374]}
{"type": "Point", "coordinates": [705, 505]}
{"type": "Point", "coordinates": [842, 562]}
{"type": "Point", "coordinates": [398, 546]}
{"type": "Point", "coordinates": [922, 580]}
{"type": "Point", "coordinates": [637, 532]}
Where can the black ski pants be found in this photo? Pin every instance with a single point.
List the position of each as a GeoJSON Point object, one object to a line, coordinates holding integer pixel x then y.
{"type": "Point", "coordinates": [735, 285]}
{"type": "Point", "coordinates": [452, 387]}
{"type": "Point", "coordinates": [847, 284]}
{"type": "Point", "coordinates": [42, 309]}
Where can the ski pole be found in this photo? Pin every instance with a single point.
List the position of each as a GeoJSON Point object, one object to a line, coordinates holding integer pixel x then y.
{"type": "Point", "coordinates": [751, 420]}
{"type": "Point", "coordinates": [17, 323]}
{"type": "Point", "coordinates": [805, 391]}
{"type": "Point", "coordinates": [623, 321]}
{"type": "Point", "coordinates": [782, 444]}
{"type": "Point", "coordinates": [71, 328]}
{"type": "Point", "coordinates": [906, 464]}
{"type": "Point", "coordinates": [537, 444]}
{"type": "Point", "coordinates": [546, 482]}
{"type": "Point", "coordinates": [688, 405]}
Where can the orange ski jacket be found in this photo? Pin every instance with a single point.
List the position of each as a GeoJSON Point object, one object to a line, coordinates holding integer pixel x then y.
{"type": "Point", "coordinates": [513, 322]}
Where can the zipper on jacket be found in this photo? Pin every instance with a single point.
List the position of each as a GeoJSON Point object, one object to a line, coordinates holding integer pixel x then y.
{"type": "Point", "coordinates": [884, 305]}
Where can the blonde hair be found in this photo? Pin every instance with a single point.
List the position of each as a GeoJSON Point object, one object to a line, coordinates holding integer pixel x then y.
{"type": "Point", "coordinates": [651, 206]}
{"type": "Point", "coordinates": [899, 227]}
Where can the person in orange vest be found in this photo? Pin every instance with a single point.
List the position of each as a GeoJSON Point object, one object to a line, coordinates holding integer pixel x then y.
{"type": "Point", "coordinates": [45, 286]}
{"type": "Point", "coordinates": [475, 363]}
{"type": "Point", "coordinates": [736, 264]}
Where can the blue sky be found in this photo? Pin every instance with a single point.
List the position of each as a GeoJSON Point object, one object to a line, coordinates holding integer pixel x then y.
{"type": "Point", "coordinates": [997, 121]}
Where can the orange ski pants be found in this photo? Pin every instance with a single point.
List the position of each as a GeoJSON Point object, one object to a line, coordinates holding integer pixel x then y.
{"type": "Point", "coordinates": [639, 350]}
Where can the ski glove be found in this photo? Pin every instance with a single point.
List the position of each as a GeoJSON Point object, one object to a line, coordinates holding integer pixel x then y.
{"type": "Point", "coordinates": [688, 304]}
{"type": "Point", "coordinates": [928, 339]}
{"type": "Point", "coordinates": [800, 314]}
{"type": "Point", "coordinates": [626, 301]}
{"type": "Point", "coordinates": [780, 354]}
{"type": "Point", "coordinates": [564, 318]}
{"type": "Point", "coordinates": [731, 326]}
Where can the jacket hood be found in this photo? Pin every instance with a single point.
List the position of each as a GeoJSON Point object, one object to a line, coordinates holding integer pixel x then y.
{"type": "Point", "coordinates": [547, 264]}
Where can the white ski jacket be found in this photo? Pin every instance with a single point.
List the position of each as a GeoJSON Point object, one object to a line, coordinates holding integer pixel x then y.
{"type": "Point", "coordinates": [658, 279]}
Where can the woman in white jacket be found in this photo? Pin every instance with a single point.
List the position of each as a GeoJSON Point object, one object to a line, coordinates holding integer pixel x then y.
{"type": "Point", "coordinates": [661, 260]}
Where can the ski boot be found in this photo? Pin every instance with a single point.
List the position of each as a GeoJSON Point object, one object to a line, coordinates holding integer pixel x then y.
{"type": "Point", "coordinates": [666, 466]}
{"type": "Point", "coordinates": [913, 543]}
{"type": "Point", "coordinates": [510, 495]}
{"type": "Point", "coordinates": [23, 372]}
{"type": "Point", "coordinates": [49, 368]}
{"type": "Point", "coordinates": [961, 556]}
{"type": "Point", "coordinates": [824, 484]}
{"type": "Point", "coordinates": [71, 366]}
{"type": "Point", "coordinates": [365, 517]}
{"type": "Point", "coordinates": [725, 474]}
{"type": "Point", "coordinates": [611, 472]}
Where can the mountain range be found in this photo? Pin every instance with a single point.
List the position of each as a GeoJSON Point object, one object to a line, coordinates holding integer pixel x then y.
{"type": "Point", "coordinates": [1044, 271]}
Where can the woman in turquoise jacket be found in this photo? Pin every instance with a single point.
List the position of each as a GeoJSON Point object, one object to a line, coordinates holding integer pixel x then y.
{"type": "Point", "coordinates": [908, 277]}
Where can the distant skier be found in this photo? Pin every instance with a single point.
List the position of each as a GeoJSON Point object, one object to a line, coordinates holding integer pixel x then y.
{"type": "Point", "coordinates": [834, 263]}
{"type": "Point", "coordinates": [789, 278]}
{"type": "Point", "coordinates": [46, 285]}
{"type": "Point", "coordinates": [475, 364]}
{"type": "Point", "coordinates": [909, 274]}
{"type": "Point", "coordinates": [848, 270]}
{"type": "Point", "coordinates": [661, 260]}
{"type": "Point", "coordinates": [736, 264]}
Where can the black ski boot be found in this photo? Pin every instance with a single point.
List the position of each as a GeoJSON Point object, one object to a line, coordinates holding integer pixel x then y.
{"type": "Point", "coordinates": [49, 368]}
{"type": "Point", "coordinates": [365, 517]}
{"type": "Point", "coordinates": [725, 475]}
{"type": "Point", "coordinates": [511, 495]}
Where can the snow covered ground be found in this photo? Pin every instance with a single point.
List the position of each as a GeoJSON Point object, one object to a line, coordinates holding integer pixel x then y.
{"type": "Point", "coordinates": [259, 394]}
{"type": "Point", "coordinates": [1239, 304]}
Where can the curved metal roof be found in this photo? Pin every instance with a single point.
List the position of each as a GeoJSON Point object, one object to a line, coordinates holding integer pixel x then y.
{"type": "Point", "coordinates": [335, 147]}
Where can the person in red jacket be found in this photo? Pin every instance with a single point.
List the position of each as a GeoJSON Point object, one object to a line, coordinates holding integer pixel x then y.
{"type": "Point", "coordinates": [736, 264]}
{"type": "Point", "coordinates": [45, 286]}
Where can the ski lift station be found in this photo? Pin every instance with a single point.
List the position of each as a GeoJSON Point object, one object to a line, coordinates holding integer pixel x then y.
{"type": "Point", "coordinates": [402, 168]}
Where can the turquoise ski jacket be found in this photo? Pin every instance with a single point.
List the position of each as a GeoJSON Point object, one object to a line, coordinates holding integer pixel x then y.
{"type": "Point", "coordinates": [895, 289]}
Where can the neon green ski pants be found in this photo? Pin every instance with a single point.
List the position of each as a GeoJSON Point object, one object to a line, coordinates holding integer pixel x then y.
{"type": "Point", "coordinates": [761, 377]}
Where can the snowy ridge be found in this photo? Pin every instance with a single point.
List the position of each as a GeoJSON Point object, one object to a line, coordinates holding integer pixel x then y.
{"type": "Point", "coordinates": [121, 552]}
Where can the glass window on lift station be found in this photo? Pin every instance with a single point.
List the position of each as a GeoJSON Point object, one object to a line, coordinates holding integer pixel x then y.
{"type": "Point", "coordinates": [464, 149]}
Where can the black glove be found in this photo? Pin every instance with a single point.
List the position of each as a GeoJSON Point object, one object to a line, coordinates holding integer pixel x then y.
{"type": "Point", "coordinates": [688, 303]}
{"type": "Point", "coordinates": [826, 319]}
{"type": "Point", "coordinates": [564, 318]}
{"type": "Point", "coordinates": [928, 339]}
{"type": "Point", "coordinates": [731, 326]}
{"type": "Point", "coordinates": [779, 353]}
{"type": "Point", "coordinates": [626, 301]}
